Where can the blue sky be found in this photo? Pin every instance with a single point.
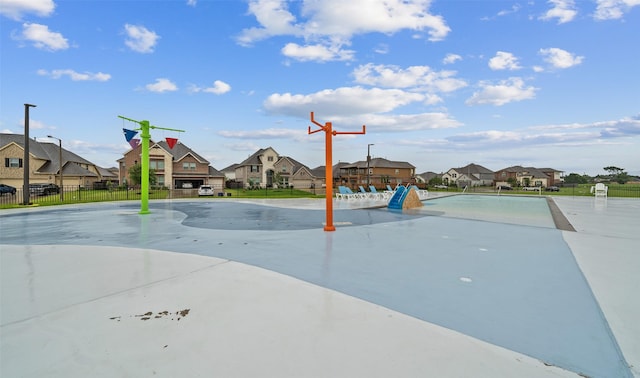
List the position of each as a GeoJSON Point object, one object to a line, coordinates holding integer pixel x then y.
{"type": "Point", "coordinates": [439, 84]}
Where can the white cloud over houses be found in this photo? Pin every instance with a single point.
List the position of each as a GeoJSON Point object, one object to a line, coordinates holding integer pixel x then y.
{"type": "Point", "coordinates": [416, 77]}
{"type": "Point", "coordinates": [140, 39]}
{"type": "Point", "coordinates": [16, 9]}
{"type": "Point", "coordinates": [559, 58]}
{"type": "Point", "coordinates": [504, 61]}
{"type": "Point", "coordinates": [327, 26]}
{"type": "Point", "coordinates": [75, 76]}
{"type": "Point", "coordinates": [161, 85]}
{"type": "Point", "coordinates": [42, 38]}
{"type": "Point", "coordinates": [504, 92]}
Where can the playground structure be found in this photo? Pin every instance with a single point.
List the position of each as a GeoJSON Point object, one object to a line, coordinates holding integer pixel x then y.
{"type": "Point", "coordinates": [329, 133]}
{"type": "Point", "coordinates": [405, 197]}
{"type": "Point", "coordinates": [145, 135]}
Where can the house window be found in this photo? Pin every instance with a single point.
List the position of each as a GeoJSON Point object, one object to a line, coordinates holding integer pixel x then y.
{"type": "Point", "coordinates": [13, 162]}
{"type": "Point", "coordinates": [284, 168]}
{"type": "Point", "coordinates": [158, 165]}
{"type": "Point", "coordinates": [255, 168]}
{"type": "Point", "coordinates": [397, 171]}
{"type": "Point", "coordinates": [269, 158]}
{"type": "Point", "coordinates": [189, 166]}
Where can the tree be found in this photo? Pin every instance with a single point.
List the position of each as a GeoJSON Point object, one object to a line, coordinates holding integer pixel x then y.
{"type": "Point", "coordinates": [617, 174]}
{"type": "Point", "coordinates": [574, 178]}
{"type": "Point", "coordinates": [436, 180]}
{"type": "Point", "coordinates": [135, 173]}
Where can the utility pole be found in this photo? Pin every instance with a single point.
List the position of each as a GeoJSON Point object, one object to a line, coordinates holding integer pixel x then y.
{"type": "Point", "coordinates": [60, 165]}
{"type": "Point", "coordinates": [25, 160]}
{"type": "Point", "coordinates": [369, 164]}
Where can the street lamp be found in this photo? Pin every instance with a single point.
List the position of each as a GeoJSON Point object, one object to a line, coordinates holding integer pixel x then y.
{"type": "Point", "coordinates": [59, 166]}
{"type": "Point", "coordinates": [369, 163]}
{"type": "Point", "coordinates": [25, 163]}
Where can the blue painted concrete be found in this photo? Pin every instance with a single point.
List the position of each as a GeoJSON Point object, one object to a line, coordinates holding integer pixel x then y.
{"type": "Point", "coordinates": [515, 286]}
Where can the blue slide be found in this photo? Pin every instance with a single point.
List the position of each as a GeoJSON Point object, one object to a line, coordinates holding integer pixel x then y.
{"type": "Point", "coordinates": [398, 197]}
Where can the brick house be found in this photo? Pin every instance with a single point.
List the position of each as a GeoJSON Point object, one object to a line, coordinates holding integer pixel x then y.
{"type": "Point", "coordinates": [175, 167]}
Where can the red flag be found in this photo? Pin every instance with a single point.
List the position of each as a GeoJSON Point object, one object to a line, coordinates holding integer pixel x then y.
{"type": "Point", "coordinates": [171, 142]}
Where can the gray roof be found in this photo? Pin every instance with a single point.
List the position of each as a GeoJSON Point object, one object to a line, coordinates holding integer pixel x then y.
{"type": "Point", "coordinates": [51, 152]}
{"type": "Point", "coordinates": [179, 151]}
{"type": "Point", "coordinates": [379, 163]}
{"type": "Point", "coordinates": [473, 169]}
{"type": "Point", "coordinates": [214, 172]}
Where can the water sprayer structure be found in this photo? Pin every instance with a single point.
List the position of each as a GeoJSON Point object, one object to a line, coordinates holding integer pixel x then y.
{"type": "Point", "coordinates": [145, 135]}
{"type": "Point", "coordinates": [329, 133]}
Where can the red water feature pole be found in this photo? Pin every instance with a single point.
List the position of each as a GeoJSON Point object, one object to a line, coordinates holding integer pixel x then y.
{"type": "Point", "coordinates": [329, 133]}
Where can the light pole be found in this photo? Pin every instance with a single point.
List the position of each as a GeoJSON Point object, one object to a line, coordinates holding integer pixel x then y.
{"type": "Point", "coordinates": [369, 163]}
{"type": "Point", "coordinates": [25, 164]}
{"type": "Point", "coordinates": [59, 166]}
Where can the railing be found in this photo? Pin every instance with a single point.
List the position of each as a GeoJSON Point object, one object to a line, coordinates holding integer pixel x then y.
{"type": "Point", "coordinates": [75, 194]}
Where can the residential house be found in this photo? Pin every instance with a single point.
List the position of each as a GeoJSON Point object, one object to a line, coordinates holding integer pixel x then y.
{"type": "Point", "coordinates": [175, 167]}
{"type": "Point", "coordinates": [258, 170]}
{"type": "Point", "coordinates": [44, 164]}
{"type": "Point", "coordinates": [380, 172]}
{"type": "Point", "coordinates": [528, 176]}
{"type": "Point", "coordinates": [469, 175]}
{"type": "Point", "coordinates": [425, 177]}
{"type": "Point", "coordinates": [266, 168]}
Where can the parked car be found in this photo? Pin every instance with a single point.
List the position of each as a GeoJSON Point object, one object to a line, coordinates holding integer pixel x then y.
{"type": "Point", "coordinates": [504, 187]}
{"type": "Point", "coordinates": [441, 187]}
{"type": "Point", "coordinates": [7, 189]}
{"type": "Point", "coordinates": [552, 188]}
{"type": "Point", "coordinates": [531, 188]}
{"type": "Point", "coordinates": [43, 189]}
{"type": "Point", "coordinates": [187, 185]}
{"type": "Point", "coordinates": [205, 190]}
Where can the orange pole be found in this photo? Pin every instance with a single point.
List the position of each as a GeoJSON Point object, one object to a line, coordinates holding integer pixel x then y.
{"type": "Point", "coordinates": [329, 177]}
{"type": "Point", "coordinates": [327, 128]}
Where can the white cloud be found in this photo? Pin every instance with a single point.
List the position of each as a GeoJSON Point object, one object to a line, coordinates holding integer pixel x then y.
{"type": "Point", "coordinates": [192, 3]}
{"type": "Point", "coordinates": [316, 52]}
{"type": "Point", "coordinates": [140, 39]}
{"type": "Point", "coordinates": [504, 92]}
{"type": "Point", "coordinates": [613, 9]}
{"type": "Point", "coordinates": [340, 102]}
{"type": "Point", "coordinates": [562, 10]}
{"type": "Point", "coordinates": [271, 133]}
{"type": "Point", "coordinates": [75, 76]}
{"type": "Point", "coordinates": [42, 38]}
{"type": "Point", "coordinates": [417, 77]}
{"type": "Point", "coordinates": [332, 23]}
{"type": "Point", "coordinates": [219, 87]}
{"type": "Point", "coordinates": [15, 9]}
{"type": "Point", "coordinates": [161, 85]}
{"type": "Point", "coordinates": [559, 58]}
{"type": "Point", "coordinates": [504, 61]}
{"type": "Point", "coordinates": [451, 58]}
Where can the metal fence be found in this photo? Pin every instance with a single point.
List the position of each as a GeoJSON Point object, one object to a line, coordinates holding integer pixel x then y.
{"type": "Point", "coordinates": [75, 194]}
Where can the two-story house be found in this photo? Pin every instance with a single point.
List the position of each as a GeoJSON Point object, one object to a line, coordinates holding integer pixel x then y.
{"type": "Point", "coordinates": [44, 164]}
{"type": "Point", "coordinates": [528, 176]}
{"type": "Point", "coordinates": [469, 175]}
{"type": "Point", "coordinates": [378, 172]}
{"type": "Point", "coordinates": [175, 167]}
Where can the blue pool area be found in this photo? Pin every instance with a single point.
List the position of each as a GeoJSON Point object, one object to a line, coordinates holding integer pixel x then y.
{"type": "Point", "coordinates": [527, 211]}
{"type": "Point", "coordinates": [491, 268]}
